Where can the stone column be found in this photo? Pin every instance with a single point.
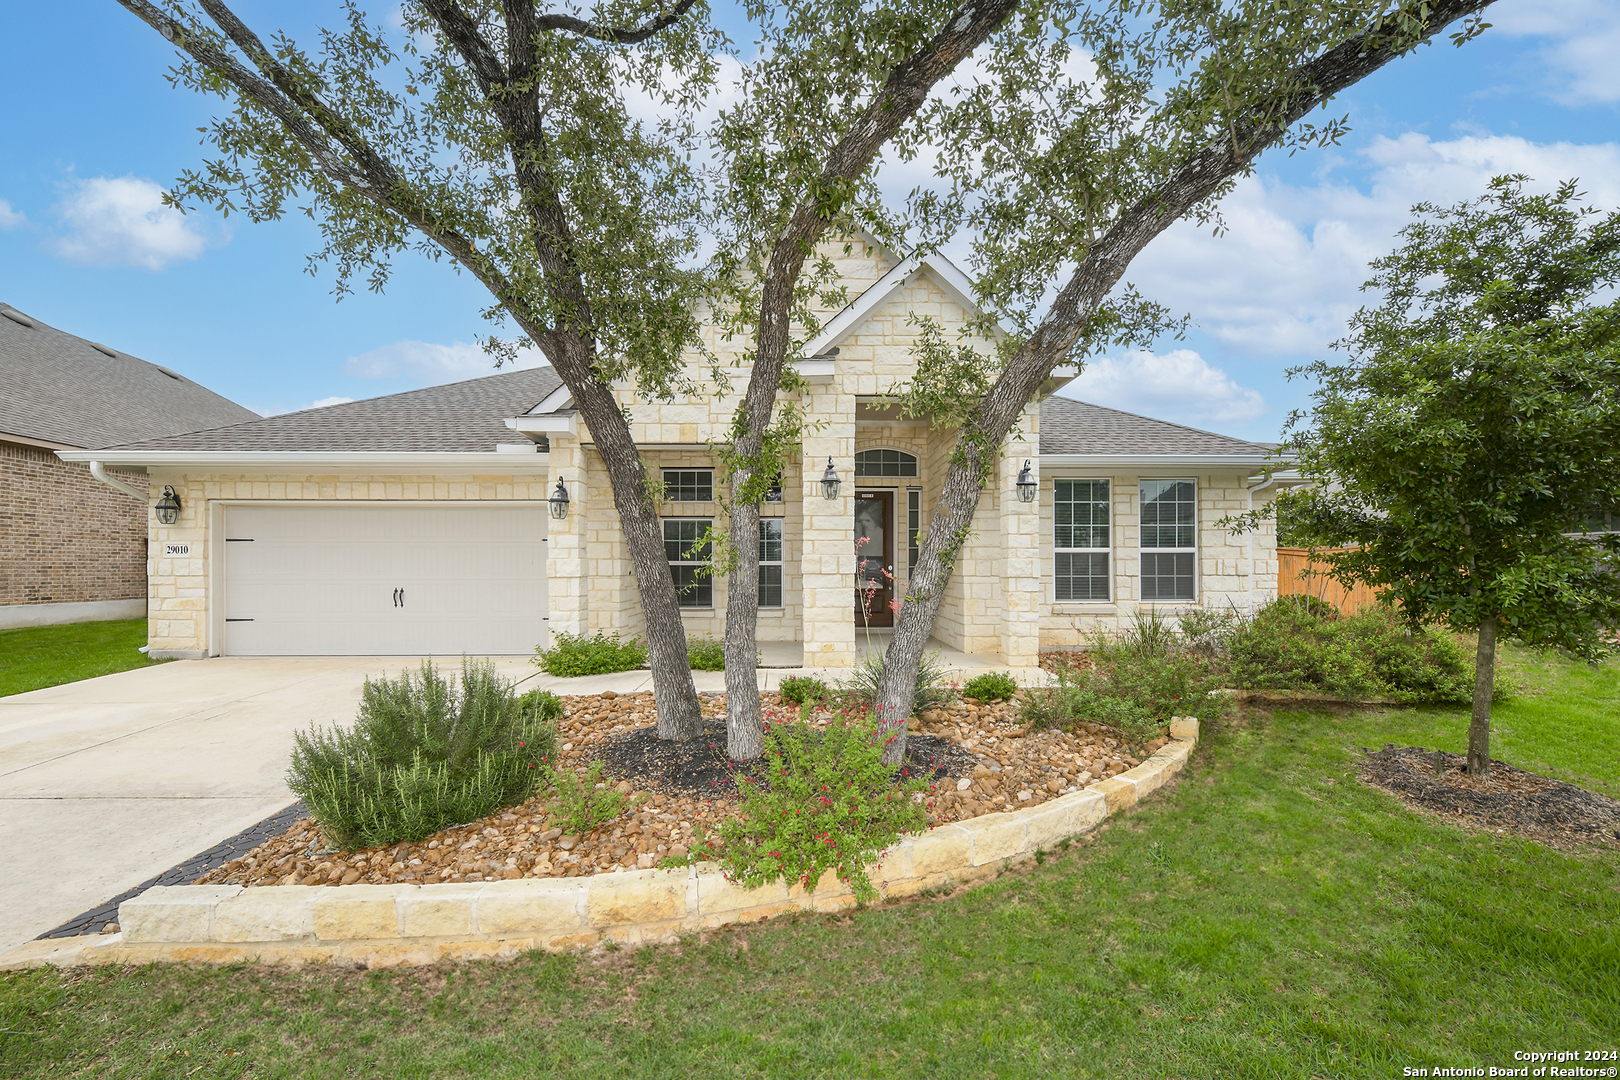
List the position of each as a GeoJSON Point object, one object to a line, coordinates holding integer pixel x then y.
{"type": "Point", "coordinates": [827, 552]}
{"type": "Point", "coordinates": [567, 565]}
{"type": "Point", "coordinates": [1022, 587]}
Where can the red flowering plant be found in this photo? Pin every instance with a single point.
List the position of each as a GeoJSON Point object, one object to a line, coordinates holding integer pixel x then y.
{"type": "Point", "coordinates": [822, 800]}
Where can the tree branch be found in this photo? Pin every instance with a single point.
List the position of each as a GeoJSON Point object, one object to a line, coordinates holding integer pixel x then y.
{"type": "Point", "coordinates": [1088, 287]}
{"type": "Point", "coordinates": [617, 36]}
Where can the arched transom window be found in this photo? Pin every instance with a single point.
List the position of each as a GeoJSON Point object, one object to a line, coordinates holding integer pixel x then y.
{"type": "Point", "coordinates": [885, 463]}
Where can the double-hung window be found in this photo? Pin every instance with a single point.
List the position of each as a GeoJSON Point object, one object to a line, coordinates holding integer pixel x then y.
{"type": "Point", "coordinates": [689, 485]}
{"type": "Point", "coordinates": [1080, 539]}
{"type": "Point", "coordinates": [1169, 540]}
{"type": "Point", "coordinates": [686, 546]}
{"type": "Point", "coordinates": [770, 562]}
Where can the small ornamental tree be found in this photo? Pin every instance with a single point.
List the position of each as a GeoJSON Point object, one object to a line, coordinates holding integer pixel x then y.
{"type": "Point", "coordinates": [1461, 450]}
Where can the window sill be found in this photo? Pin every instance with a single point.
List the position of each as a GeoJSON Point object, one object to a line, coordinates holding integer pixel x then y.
{"type": "Point", "coordinates": [1085, 607]}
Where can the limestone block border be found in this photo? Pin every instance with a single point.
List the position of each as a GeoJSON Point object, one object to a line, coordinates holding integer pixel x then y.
{"type": "Point", "coordinates": [388, 925]}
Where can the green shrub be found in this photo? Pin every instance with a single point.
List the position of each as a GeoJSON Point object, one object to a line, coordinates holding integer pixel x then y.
{"type": "Point", "coordinates": [575, 654]}
{"type": "Point", "coordinates": [827, 802]}
{"type": "Point", "coordinates": [930, 691]}
{"type": "Point", "coordinates": [423, 754]}
{"type": "Point", "coordinates": [707, 653]}
{"type": "Point", "coordinates": [1208, 631]}
{"type": "Point", "coordinates": [576, 804]}
{"type": "Point", "coordinates": [1129, 687]}
{"type": "Point", "coordinates": [1135, 681]}
{"type": "Point", "coordinates": [800, 689]}
{"type": "Point", "coordinates": [1294, 645]}
{"type": "Point", "coordinates": [991, 686]}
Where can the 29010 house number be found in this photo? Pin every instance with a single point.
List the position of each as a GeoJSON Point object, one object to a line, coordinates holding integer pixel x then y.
{"type": "Point", "coordinates": [176, 551]}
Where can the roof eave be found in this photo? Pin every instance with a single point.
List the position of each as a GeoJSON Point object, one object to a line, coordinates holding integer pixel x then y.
{"type": "Point", "coordinates": [326, 461]}
{"type": "Point", "coordinates": [1195, 461]}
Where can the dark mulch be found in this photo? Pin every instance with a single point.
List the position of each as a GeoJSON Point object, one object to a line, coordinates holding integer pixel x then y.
{"type": "Point", "coordinates": [1536, 807]}
{"type": "Point", "coordinates": [699, 767]}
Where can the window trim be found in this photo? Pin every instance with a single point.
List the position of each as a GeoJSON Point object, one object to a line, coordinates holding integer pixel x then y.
{"type": "Point", "coordinates": [706, 524]}
{"type": "Point", "coordinates": [1141, 549]}
{"type": "Point", "coordinates": [780, 562]}
{"type": "Point", "coordinates": [697, 473]}
{"type": "Point", "coordinates": [913, 529]}
{"type": "Point", "coordinates": [1108, 551]}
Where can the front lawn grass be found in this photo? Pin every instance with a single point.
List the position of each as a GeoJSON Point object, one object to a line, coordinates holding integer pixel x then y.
{"type": "Point", "coordinates": [34, 657]}
{"type": "Point", "coordinates": [1268, 916]}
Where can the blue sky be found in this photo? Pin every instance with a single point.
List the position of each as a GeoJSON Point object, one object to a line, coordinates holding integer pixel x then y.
{"type": "Point", "coordinates": [92, 134]}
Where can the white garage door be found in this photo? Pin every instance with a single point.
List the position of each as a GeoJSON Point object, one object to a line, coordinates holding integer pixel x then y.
{"type": "Point", "coordinates": [384, 580]}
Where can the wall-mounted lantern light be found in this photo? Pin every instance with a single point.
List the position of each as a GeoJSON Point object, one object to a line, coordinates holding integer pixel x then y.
{"type": "Point", "coordinates": [1028, 486]}
{"type": "Point", "coordinates": [168, 507]}
{"type": "Point", "coordinates": [773, 494]}
{"type": "Point", "coordinates": [559, 501]}
{"type": "Point", "coordinates": [829, 482]}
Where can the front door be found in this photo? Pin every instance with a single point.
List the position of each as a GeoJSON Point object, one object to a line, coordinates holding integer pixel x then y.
{"type": "Point", "coordinates": [874, 558]}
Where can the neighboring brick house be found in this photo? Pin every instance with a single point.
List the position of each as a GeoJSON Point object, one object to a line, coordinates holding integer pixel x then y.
{"type": "Point", "coordinates": [417, 523]}
{"type": "Point", "coordinates": [72, 547]}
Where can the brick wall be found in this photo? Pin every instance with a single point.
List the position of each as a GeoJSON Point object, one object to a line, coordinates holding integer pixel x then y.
{"type": "Point", "coordinates": [64, 536]}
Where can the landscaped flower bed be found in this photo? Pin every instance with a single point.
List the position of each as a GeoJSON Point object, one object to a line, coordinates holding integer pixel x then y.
{"type": "Point", "coordinates": [982, 758]}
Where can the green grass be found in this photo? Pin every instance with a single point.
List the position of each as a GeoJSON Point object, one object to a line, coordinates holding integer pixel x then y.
{"type": "Point", "coordinates": [1268, 916]}
{"type": "Point", "coordinates": [34, 657]}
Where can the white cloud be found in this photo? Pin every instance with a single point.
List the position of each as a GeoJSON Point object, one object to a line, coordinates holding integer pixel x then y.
{"type": "Point", "coordinates": [325, 401]}
{"type": "Point", "coordinates": [1285, 276]}
{"type": "Point", "coordinates": [121, 221]}
{"type": "Point", "coordinates": [427, 364]}
{"type": "Point", "coordinates": [1179, 385]}
{"type": "Point", "coordinates": [9, 218]}
{"type": "Point", "coordinates": [1581, 39]}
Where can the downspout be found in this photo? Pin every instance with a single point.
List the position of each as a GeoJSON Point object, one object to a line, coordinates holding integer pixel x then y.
{"type": "Point", "coordinates": [100, 473]}
{"type": "Point", "coordinates": [1271, 478]}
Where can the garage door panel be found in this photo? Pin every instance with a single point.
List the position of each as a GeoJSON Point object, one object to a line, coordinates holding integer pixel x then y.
{"type": "Point", "coordinates": [327, 580]}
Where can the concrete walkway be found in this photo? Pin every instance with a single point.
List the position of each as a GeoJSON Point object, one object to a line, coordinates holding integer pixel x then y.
{"type": "Point", "coordinates": [109, 782]}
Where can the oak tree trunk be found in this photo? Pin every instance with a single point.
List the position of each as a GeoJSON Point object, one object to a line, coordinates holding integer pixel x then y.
{"type": "Point", "coordinates": [674, 694]}
{"type": "Point", "coordinates": [745, 734]}
{"type": "Point", "coordinates": [1479, 721]}
{"type": "Point", "coordinates": [1068, 321]}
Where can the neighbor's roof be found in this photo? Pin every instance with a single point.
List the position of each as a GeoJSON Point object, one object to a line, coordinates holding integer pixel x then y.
{"type": "Point", "coordinates": [1078, 427]}
{"type": "Point", "coordinates": [57, 388]}
{"type": "Point", "coordinates": [463, 417]}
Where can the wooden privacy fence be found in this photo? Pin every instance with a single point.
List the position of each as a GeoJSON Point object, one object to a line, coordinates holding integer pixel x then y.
{"type": "Point", "coordinates": [1293, 580]}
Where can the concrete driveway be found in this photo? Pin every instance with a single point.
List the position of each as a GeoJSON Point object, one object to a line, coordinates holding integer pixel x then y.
{"type": "Point", "coordinates": [108, 782]}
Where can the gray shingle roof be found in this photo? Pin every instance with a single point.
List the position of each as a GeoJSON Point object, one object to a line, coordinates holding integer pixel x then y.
{"type": "Point", "coordinates": [461, 417]}
{"type": "Point", "coordinates": [1078, 427]}
{"type": "Point", "coordinates": [58, 388]}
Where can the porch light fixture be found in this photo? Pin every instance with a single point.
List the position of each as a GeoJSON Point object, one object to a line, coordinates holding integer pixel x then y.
{"type": "Point", "coordinates": [168, 507]}
{"type": "Point", "coordinates": [829, 482]}
{"type": "Point", "coordinates": [559, 501]}
{"type": "Point", "coordinates": [1028, 486]}
{"type": "Point", "coordinates": [773, 494]}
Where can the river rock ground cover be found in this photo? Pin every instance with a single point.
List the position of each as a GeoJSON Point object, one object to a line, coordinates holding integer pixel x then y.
{"type": "Point", "coordinates": [982, 759]}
